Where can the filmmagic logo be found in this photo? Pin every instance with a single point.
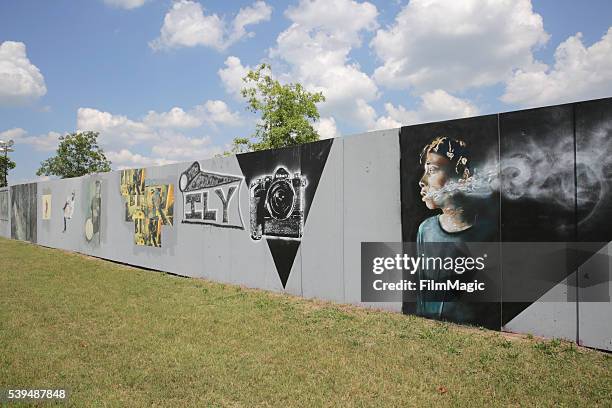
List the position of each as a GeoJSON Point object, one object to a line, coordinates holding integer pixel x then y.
{"type": "Point", "coordinates": [430, 285]}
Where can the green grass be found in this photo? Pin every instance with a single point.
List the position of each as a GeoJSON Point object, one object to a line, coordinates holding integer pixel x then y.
{"type": "Point", "coordinates": [120, 336]}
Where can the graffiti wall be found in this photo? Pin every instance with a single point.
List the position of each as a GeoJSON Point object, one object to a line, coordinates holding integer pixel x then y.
{"type": "Point", "coordinates": [446, 169]}
{"type": "Point", "coordinates": [148, 206]}
{"type": "Point", "coordinates": [5, 229]}
{"type": "Point", "coordinates": [24, 212]}
{"type": "Point", "coordinates": [294, 219]}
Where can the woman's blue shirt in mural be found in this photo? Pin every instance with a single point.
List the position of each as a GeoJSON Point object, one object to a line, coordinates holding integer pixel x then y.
{"type": "Point", "coordinates": [450, 307]}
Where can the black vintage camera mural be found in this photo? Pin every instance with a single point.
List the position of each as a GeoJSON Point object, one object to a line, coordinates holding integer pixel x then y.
{"type": "Point", "coordinates": [277, 205]}
{"type": "Point", "coordinates": [282, 184]}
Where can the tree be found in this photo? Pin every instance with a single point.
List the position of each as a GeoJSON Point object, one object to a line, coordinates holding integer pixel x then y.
{"type": "Point", "coordinates": [77, 154]}
{"type": "Point", "coordinates": [6, 164]}
{"type": "Point", "coordinates": [287, 112]}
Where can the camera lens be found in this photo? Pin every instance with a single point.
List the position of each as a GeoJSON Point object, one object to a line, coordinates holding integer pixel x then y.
{"type": "Point", "coordinates": [280, 199]}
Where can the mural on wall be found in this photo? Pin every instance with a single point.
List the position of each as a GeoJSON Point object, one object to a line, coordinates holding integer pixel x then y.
{"type": "Point", "coordinates": [148, 206]}
{"type": "Point", "coordinates": [446, 173]}
{"type": "Point", "coordinates": [93, 212]}
{"type": "Point", "coordinates": [4, 205]}
{"type": "Point", "coordinates": [24, 212]}
{"type": "Point", "coordinates": [537, 192]}
{"type": "Point", "coordinates": [132, 189]}
{"type": "Point", "coordinates": [277, 205]}
{"type": "Point", "coordinates": [210, 198]}
{"type": "Point", "coordinates": [46, 206]}
{"type": "Point", "coordinates": [594, 170]}
{"type": "Point", "coordinates": [282, 184]}
{"type": "Point", "coordinates": [68, 209]}
{"type": "Point", "coordinates": [552, 182]}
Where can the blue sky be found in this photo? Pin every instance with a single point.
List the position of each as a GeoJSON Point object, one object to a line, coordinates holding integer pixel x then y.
{"type": "Point", "coordinates": [159, 79]}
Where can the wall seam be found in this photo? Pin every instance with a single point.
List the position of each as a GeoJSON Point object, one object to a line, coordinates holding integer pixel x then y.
{"type": "Point", "coordinates": [499, 221]}
{"type": "Point", "coordinates": [343, 223]}
{"type": "Point", "coordinates": [576, 222]}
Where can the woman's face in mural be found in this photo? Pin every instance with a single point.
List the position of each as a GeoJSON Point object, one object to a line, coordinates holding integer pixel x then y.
{"type": "Point", "coordinates": [437, 171]}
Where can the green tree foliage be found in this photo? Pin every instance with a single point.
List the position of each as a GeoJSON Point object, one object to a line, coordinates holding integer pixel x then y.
{"type": "Point", "coordinates": [287, 112]}
{"type": "Point", "coordinates": [77, 154]}
{"type": "Point", "coordinates": [6, 164]}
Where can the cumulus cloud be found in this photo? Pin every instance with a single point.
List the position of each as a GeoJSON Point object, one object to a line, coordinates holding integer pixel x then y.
{"type": "Point", "coordinates": [185, 148]}
{"type": "Point", "coordinates": [46, 142]}
{"type": "Point", "coordinates": [175, 118]}
{"type": "Point", "coordinates": [186, 25]}
{"type": "Point", "coordinates": [434, 106]}
{"type": "Point", "coordinates": [172, 149]}
{"type": "Point", "coordinates": [579, 72]}
{"type": "Point", "coordinates": [20, 81]}
{"type": "Point", "coordinates": [125, 4]}
{"type": "Point", "coordinates": [120, 130]}
{"type": "Point", "coordinates": [217, 112]}
{"type": "Point", "coordinates": [251, 15]}
{"type": "Point", "coordinates": [231, 76]}
{"type": "Point", "coordinates": [326, 128]}
{"type": "Point", "coordinates": [125, 159]}
{"type": "Point", "coordinates": [316, 48]}
{"type": "Point", "coordinates": [114, 128]}
{"type": "Point", "coordinates": [455, 45]}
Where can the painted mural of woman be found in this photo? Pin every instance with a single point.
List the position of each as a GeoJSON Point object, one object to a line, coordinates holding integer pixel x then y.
{"type": "Point", "coordinates": [447, 187]}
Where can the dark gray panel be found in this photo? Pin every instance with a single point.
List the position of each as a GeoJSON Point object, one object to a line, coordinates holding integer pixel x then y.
{"type": "Point", "coordinates": [538, 205]}
{"type": "Point", "coordinates": [594, 194]}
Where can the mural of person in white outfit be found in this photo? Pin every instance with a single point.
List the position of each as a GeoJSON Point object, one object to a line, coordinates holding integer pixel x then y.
{"type": "Point", "coordinates": [68, 209]}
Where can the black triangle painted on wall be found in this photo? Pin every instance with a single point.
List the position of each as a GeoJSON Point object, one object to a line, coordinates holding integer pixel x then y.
{"type": "Point", "coordinates": [309, 160]}
{"type": "Point", "coordinates": [313, 157]}
{"type": "Point", "coordinates": [283, 252]}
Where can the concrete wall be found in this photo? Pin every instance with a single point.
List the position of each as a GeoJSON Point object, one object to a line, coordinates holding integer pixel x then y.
{"type": "Point", "coordinates": [352, 194]}
{"type": "Point", "coordinates": [5, 218]}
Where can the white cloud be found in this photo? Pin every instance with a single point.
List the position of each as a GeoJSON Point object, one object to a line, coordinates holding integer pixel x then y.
{"type": "Point", "coordinates": [119, 130]}
{"type": "Point", "coordinates": [20, 81]}
{"type": "Point", "coordinates": [125, 4]}
{"type": "Point", "coordinates": [186, 25]}
{"type": "Point", "coordinates": [124, 159]}
{"type": "Point", "coordinates": [174, 118]}
{"type": "Point", "coordinates": [114, 128]}
{"type": "Point", "coordinates": [326, 128]}
{"type": "Point", "coordinates": [254, 14]}
{"type": "Point", "coordinates": [232, 75]}
{"type": "Point", "coordinates": [173, 148]}
{"type": "Point", "coordinates": [579, 72]}
{"type": "Point", "coordinates": [456, 45]}
{"type": "Point", "coordinates": [185, 148]}
{"type": "Point", "coordinates": [435, 106]}
{"type": "Point", "coordinates": [46, 142]}
{"type": "Point", "coordinates": [12, 134]}
{"type": "Point", "coordinates": [316, 47]}
{"type": "Point", "coordinates": [217, 112]}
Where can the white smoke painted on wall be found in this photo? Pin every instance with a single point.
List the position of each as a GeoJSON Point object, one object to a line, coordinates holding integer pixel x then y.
{"type": "Point", "coordinates": [544, 172]}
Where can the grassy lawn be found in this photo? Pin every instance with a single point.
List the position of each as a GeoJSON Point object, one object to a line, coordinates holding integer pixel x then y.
{"type": "Point", "coordinates": [121, 336]}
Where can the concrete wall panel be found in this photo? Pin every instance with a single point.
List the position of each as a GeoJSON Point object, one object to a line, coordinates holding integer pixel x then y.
{"type": "Point", "coordinates": [371, 202]}
{"type": "Point", "coordinates": [5, 215]}
{"type": "Point", "coordinates": [322, 246]}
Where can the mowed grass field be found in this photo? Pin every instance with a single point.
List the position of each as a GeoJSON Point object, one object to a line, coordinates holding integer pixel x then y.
{"type": "Point", "coordinates": [121, 336]}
